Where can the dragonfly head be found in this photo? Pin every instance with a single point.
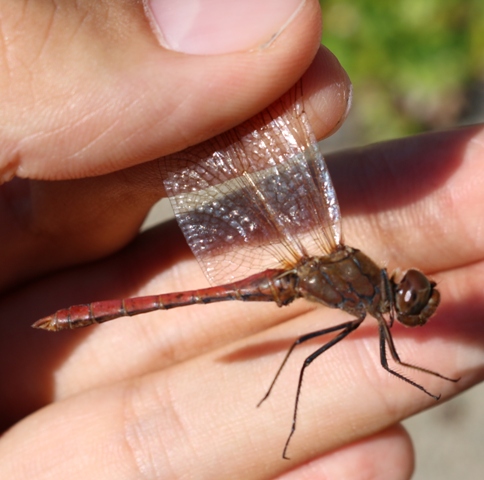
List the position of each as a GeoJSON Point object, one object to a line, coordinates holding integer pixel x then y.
{"type": "Point", "coordinates": [416, 298]}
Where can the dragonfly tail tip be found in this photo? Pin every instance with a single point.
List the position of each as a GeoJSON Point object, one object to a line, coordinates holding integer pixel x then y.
{"type": "Point", "coordinates": [46, 323]}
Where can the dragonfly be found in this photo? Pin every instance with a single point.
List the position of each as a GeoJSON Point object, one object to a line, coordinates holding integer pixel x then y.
{"type": "Point", "coordinates": [258, 209]}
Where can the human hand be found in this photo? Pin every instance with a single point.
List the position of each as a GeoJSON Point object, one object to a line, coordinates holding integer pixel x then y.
{"type": "Point", "coordinates": [130, 397]}
{"type": "Point", "coordinates": [174, 392]}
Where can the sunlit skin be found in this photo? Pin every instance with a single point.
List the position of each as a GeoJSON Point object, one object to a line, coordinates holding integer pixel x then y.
{"type": "Point", "coordinates": [257, 196]}
{"type": "Point", "coordinates": [174, 394]}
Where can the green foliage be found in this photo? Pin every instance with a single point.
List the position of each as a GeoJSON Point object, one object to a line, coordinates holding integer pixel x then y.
{"type": "Point", "coordinates": [411, 61]}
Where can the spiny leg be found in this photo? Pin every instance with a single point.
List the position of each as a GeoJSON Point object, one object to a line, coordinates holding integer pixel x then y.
{"type": "Point", "coordinates": [302, 339]}
{"type": "Point", "coordinates": [386, 338]}
{"type": "Point", "coordinates": [346, 328]}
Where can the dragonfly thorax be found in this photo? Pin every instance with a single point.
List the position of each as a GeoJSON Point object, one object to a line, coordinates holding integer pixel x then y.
{"type": "Point", "coordinates": [346, 279]}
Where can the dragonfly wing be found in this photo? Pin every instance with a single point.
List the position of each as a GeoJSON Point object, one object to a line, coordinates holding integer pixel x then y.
{"type": "Point", "coordinates": [258, 196]}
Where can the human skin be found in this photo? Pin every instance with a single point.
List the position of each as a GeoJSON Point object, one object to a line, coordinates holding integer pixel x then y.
{"type": "Point", "coordinates": [173, 394]}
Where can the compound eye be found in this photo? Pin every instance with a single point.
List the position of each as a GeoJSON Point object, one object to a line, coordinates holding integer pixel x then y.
{"type": "Point", "coordinates": [416, 299]}
{"type": "Point", "coordinates": [413, 293]}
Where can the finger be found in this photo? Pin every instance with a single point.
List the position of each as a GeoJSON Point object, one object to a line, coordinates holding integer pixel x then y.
{"type": "Point", "coordinates": [415, 202]}
{"type": "Point", "coordinates": [381, 456]}
{"type": "Point", "coordinates": [143, 341]}
{"type": "Point", "coordinates": [388, 454]}
{"type": "Point", "coordinates": [120, 98]}
{"type": "Point", "coordinates": [48, 225]}
{"type": "Point", "coordinates": [168, 413]}
{"type": "Point", "coordinates": [129, 347]}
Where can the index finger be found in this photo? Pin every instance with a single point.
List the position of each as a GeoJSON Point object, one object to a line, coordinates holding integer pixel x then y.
{"type": "Point", "coordinates": [417, 201]}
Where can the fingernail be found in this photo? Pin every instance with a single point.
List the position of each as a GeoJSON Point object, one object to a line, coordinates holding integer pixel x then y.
{"type": "Point", "coordinates": [211, 27]}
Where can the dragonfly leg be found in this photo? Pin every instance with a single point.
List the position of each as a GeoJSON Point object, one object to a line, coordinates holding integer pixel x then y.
{"type": "Point", "coordinates": [386, 338]}
{"type": "Point", "coordinates": [345, 329]}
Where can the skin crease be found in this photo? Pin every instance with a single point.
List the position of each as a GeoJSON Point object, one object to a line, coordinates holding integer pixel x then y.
{"type": "Point", "coordinates": [173, 394]}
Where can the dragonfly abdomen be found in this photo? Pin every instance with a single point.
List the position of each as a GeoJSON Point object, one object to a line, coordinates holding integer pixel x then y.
{"type": "Point", "coordinates": [269, 286]}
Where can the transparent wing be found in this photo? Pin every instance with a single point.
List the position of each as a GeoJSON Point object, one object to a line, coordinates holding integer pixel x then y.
{"type": "Point", "coordinates": [258, 196]}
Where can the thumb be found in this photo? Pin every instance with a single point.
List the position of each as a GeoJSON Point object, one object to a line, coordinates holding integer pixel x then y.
{"type": "Point", "coordinates": [90, 90]}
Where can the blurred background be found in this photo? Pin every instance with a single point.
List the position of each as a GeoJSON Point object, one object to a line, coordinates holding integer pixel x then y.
{"type": "Point", "coordinates": [416, 66]}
